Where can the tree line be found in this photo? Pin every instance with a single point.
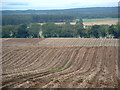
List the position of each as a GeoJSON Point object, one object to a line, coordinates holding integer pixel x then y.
{"type": "Point", "coordinates": [27, 19]}
{"type": "Point", "coordinates": [16, 17]}
{"type": "Point", "coordinates": [65, 30]}
{"type": "Point", "coordinates": [95, 12]}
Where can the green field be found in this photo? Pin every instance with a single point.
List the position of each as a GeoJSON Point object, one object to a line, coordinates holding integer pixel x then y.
{"type": "Point", "coordinates": [99, 19]}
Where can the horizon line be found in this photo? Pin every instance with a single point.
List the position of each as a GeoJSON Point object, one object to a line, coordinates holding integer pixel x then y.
{"type": "Point", "coordinates": [57, 9]}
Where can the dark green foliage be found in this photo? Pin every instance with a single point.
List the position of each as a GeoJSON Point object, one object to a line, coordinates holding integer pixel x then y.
{"type": "Point", "coordinates": [33, 30]}
{"type": "Point", "coordinates": [79, 21]}
{"type": "Point", "coordinates": [27, 19]}
{"type": "Point", "coordinates": [66, 30]}
{"type": "Point", "coordinates": [50, 30]}
{"type": "Point", "coordinates": [118, 28]}
{"type": "Point", "coordinates": [95, 31]}
{"type": "Point", "coordinates": [0, 31]}
{"type": "Point", "coordinates": [96, 12]}
{"type": "Point", "coordinates": [22, 31]}
{"type": "Point", "coordinates": [8, 31]}
{"type": "Point", "coordinates": [11, 31]}
{"type": "Point", "coordinates": [114, 31]}
{"type": "Point", "coordinates": [15, 17]}
{"type": "Point", "coordinates": [51, 18]}
{"type": "Point", "coordinates": [80, 30]}
{"type": "Point", "coordinates": [103, 30]}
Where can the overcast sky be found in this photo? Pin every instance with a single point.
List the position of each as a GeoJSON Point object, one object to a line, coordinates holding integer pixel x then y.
{"type": "Point", "coordinates": [55, 4]}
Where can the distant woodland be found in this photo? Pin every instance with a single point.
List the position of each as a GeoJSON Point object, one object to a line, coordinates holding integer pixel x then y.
{"type": "Point", "coordinates": [25, 23]}
{"type": "Point", "coordinates": [96, 12]}
{"type": "Point", "coordinates": [15, 17]}
{"type": "Point", "coordinates": [27, 19]}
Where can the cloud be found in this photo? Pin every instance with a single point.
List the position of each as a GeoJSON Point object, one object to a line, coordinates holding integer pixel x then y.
{"type": "Point", "coordinates": [17, 4]}
{"type": "Point", "coordinates": [57, 4]}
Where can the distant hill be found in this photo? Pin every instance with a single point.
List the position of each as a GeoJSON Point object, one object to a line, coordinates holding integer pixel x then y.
{"type": "Point", "coordinates": [96, 12]}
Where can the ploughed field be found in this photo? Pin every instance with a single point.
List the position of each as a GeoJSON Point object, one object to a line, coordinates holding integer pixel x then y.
{"type": "Point", "coordinates": [60, 63]}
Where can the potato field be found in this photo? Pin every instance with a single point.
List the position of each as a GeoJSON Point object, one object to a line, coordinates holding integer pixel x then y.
{"type": "Point", "coordinates": [60, 63]}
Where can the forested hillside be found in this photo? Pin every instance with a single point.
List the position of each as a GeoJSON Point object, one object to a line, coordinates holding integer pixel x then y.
{"type": "Point", "coordinates": [97, 12]}
{"type": "Point", "coordinates": [43, 16]}
{"type": "Point", "coordinates": [26, 23]}
{"type": "Point", "coordinates": [21, 19]}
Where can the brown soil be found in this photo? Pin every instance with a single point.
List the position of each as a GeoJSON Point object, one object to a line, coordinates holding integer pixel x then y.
{"type": "Point", "coordinates": [107, 22]}
{"type": "Point", "coordinates": [29, 63]}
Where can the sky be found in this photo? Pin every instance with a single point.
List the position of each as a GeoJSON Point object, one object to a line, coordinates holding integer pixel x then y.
{"type": "Point", "coordinates": [55, 4]}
